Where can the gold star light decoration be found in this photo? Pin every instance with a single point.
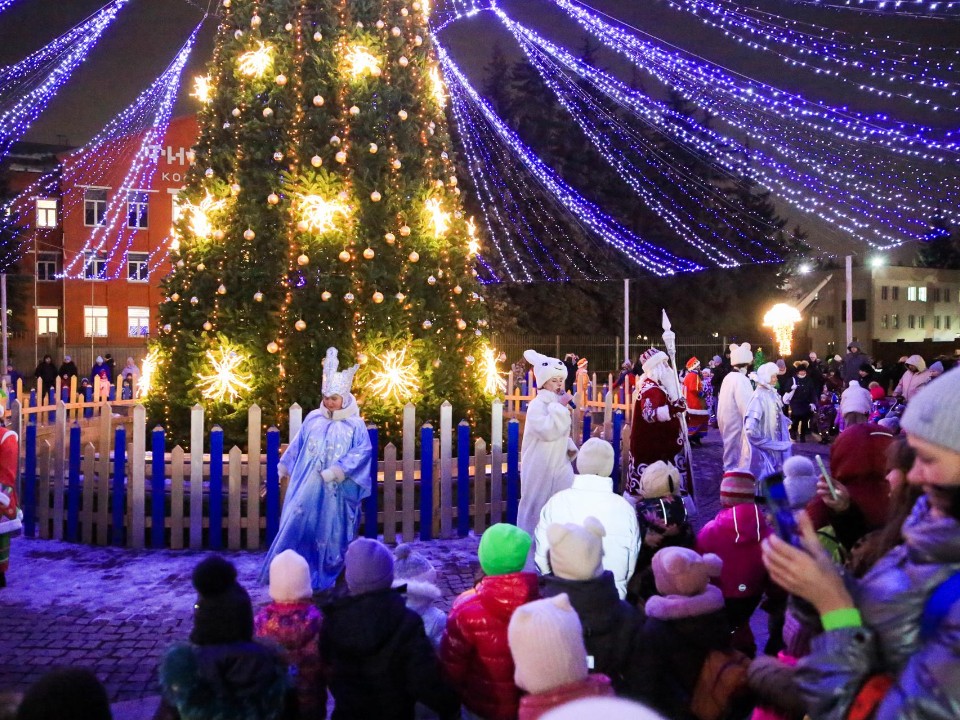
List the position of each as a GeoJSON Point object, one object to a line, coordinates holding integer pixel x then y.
{"type": "Point", "coordinates": [397, 379]}
{"type": "Point", "coordinates": [226, 380]}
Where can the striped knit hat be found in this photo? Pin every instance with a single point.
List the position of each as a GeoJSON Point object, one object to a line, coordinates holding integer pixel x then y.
{"type": "Point", "coordinates": [737, 487]}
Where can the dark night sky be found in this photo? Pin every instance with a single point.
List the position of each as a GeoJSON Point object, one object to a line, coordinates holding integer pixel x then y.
{"type": "Point", "coordinates": [148, 33]}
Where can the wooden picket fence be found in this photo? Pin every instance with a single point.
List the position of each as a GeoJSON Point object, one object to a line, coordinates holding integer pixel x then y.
{"type": "Point", "coordinates": [94, 475]}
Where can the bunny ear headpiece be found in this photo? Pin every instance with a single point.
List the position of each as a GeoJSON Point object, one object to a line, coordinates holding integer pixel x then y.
{"type": "Point", "coordinates": [336, 383]}
{"type": "Point", "coordinates": [545, 367]}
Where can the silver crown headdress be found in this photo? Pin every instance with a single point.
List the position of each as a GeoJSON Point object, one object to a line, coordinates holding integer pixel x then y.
{"type": "Point", "coordinates": [336, 383]}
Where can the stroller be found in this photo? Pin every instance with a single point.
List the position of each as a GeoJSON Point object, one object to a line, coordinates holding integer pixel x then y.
{"type": "Point", "coordinates": [828, 413]}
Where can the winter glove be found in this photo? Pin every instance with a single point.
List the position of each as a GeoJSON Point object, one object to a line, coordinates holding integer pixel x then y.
{"type": "Point", "coordinates": [332, 474]}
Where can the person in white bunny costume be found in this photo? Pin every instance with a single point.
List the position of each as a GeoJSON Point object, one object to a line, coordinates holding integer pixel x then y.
{"type": "Point", "coordinates": [735, 393]}
{"type": "Point", "coordinates": [547, 450]}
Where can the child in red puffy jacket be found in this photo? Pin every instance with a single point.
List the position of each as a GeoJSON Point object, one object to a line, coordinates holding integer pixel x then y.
{"type": "Point", "coordinates": [474, 651]}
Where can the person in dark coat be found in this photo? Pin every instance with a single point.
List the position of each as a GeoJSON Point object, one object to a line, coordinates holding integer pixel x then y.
{"type": "Point", "coordinates": [850, 370]}
{"type": "Point", "coordinates": [65, 694]}
{"type": "Point", "coordinates": [612, 628]}
{"type": "Point", "coordinates": [47, 372]}
{"type": "Point", "coordinates": [570, 363]}
{"type": "Point", "coordinates": [802, 398]}
{"type": "Point", "coordinates": [68, 369]}
{"type": "Point", "coordinates": [816, 371]}
{"type": "Point", "coordinates": [99, 366]}
{"type": "Point", "coordinates": [378, 658]}
{"type": "Point", "coordinates": [14, 375]}
{"type": "Point", "coordinates": [111, 370]}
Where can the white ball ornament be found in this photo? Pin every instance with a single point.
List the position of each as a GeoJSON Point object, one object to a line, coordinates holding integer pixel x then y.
{"type": "Point", "coordinates": [369, 254]}
{"type": "Point", "coordinates": [303, 225]}
{"type": "Point", "coordinates": [249, 234]}
{"type": "Point", "coordinates": [404, 230]}
{"type": "Point", "coordinates": [235, 112]}
{"type": "Point", "coordinates": [226, 126]}
{"type": "Point", "coordinates": [400, 297]}
{"type": "Point", "coordinates": [208, 326]}
{"type": "Point", "coordinates": [272, 347]}
{"type": "Point", "coordinates": [375, 196]}
{"type": "Point", "coordinates": [201, 267]}
{"type": "Point", "coordinates": [167, 328]}
{"type": "Point", "coordinates": [191, 156]}
{"type": "Point", "coordinates": [325, 295]}
{"type": "Point", "coordinates": [461, 325]}
{"type": "Point", "coordinates": [268, 112]}
{"type": "Point", "coordinates": [396, 164]}
{"type": "Point", "coordinates": [194, 300]}
{"type": "Point", "coordinates": [300, 325]}
{"type": "Point", "coordinates": [235, 188]}
{"type": "Point", "coordinates": [378, 297]}
{"type": "Point", "coordinates": [354, 110]}
{"type": "Point", "coordinates": [273, 198]}
{"type": "Point", "coordinates": [444, 156]}
{"type": "Point", "coordinates": [415, 257]}
{"type": "Point", "coordinates": [281, 79]}
{"type": "Point", "coordinates": [349, 298]}
{"type": "Point", "coordinates": [278, 156]}
{"type": "Point", "coordinates": [402, 115]}
{"type": "Point", "coordinates": [436, 362]}
{"type": "Point", "coordinates": [403, 61]}
{"type": "Point", "coordinates": [340, 157]}
{"type": "Point", "coordinates": [227, 3]}
{"type": "Point", "coordinates": [255, 21]}
{"type": "Point", "coordinates": [404, 12]}
{"type": "Point", "coordinates": [335, 140]}
{"type": "Point", "coordinates": [317, 36]}
{"type": "Point", "coordinates": [373, 148]}
{"type": "Point", "coordinates": [288, 27]}
{"type": "Point", "coordinates": [318, 100]}
{"type": "Point", "coordinates": [395, 31]}
{"type": "Point", "coordinates": [238, 34]}
{"type": "Point", "coordinates": [376, 71]}
{"type": "Point", "coordinates": [478, 333]}
{"type": "Point", "coordinates": [222, 290]}
{"type": "Point", "coordinates": [208, 173]}
{"type": "Point", "coordinates": [258, 296]}
{"type": "Point", "coordinates": [417, 40]}
{"type": "Point", "coordinates": [431, 280]}
{"type": "Point", "coordinates": [303, 259]}
{"type": "Point", "coordinates": [427, 324]}
{"type": "Point", "coordinates": [380, 24]}
{"type": "Point", "coordinates": [180, 263]}
{"type": "Point", "coordinates": [469, 359]}
{"type": "Point", "coordinates": [344, 256]}
{"type": "Point", "coordinates": [316, 161]}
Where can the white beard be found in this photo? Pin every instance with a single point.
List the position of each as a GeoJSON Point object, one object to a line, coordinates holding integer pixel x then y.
{"type": "Point", "coordinates": [664, 376]}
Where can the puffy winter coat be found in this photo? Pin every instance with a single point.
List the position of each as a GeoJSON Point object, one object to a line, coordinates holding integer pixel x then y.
{"type": "Point", "coordinates": [379, 660]}
{"type": "Point", "coordinates": [592, 495]}
{"type": "Point", "coordinates": [612, 628]}
{"type": "Point", "coordinates": [891, 598]}
{"type": "Point", "coordinates": [911, 381]}
{"type": "Point", "coordinates": [533, 707]}
{"type": "Point", "coordinates": [474, 651]}
{"type": "Point", "coordinates": [296, 627]}
{"type": "Point", "coordinates": [855, 399]}
{"type": "Point", "coordinates": [735, 535]}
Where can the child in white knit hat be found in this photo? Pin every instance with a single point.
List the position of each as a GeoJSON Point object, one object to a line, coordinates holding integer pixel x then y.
{"type": "Point", "coordinates": [546, 642]}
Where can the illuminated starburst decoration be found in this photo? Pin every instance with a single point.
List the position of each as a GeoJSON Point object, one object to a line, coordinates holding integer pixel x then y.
{"type": "Point", "coordinates": [437, 89]}
{"type": "Point", "coordinates": [255, 63]}
{"type": "Point", "coordinates": [493, 381]}
{"type": "Point", "coordinates": [397, 378]}
{"type": "Point", "coordinates": [147, 372]}
{"type": "Point", "coordinates": [473, 244]}
{"type": "Point", "coordinates": [361, 61]}
{"type": "Point", "coordinates": [200, 213]}
{"type": "Point", "coordinates": [782, 317]}
{"type": "Point", "coordinates": [226, 379]}
{"type": "Point", "coordinates": [439, 218]}
{"type": "Point", "coordinates": [320, 214]}
{"type": "Point", "coordinates": [202, 89]}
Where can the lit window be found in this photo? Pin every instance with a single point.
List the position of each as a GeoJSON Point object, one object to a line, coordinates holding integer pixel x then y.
{"type": "Point", "coordinates": [138, 203]}
{"type": "Point", "coordinates": [137, 269]}
{"type": "Point", "coordinates": [911, 294]}
{"type": "Point", "coordinates": [946, 322]}
{"type": "Point", "coordinates": [884, 321]}
{"type": "Point", "coordinates": [46, 212]}
{"type": "Point", "coordinates": [895, 321]}
{"type": "Point", "coordinates": [814, 322]}
{"type": "Point", "coordinates": [138, 322]}
{"type": "Point", "coordinates": [936, 322]}
{"type": "Point", "coordinates": [47, 266]}
{"type": "Point", "coordinates": [94, 321]}
{"type": "Point", "coordinates": [911, 321]}
{"type": "Point", "coordinates": [94, 207]}
{"type": "Point", "coordinates": [94, 266]}
{"type": "Point", "coordinates": [922, 294]}
{"type": "Point", "coordinates": [48, 321]}
{"type": "Point", "coordinates": [920, 321]}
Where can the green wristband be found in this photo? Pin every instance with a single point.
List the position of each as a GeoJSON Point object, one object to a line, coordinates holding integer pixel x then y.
{"type": "Point", "coordinates": [842, 618]}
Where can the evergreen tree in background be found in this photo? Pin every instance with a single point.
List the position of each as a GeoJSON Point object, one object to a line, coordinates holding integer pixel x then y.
{"type": "Point", "coordinates": [322, 210]}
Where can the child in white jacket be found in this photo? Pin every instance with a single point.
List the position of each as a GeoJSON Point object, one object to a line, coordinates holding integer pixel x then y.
{"type": "Point", "coordinates": [855, 404]}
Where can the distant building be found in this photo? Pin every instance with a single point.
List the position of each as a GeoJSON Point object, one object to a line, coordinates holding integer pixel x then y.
{"type": "Point", "coordinates": [891, 304]}
{"type": "Point", "coordinates": [108, 301]}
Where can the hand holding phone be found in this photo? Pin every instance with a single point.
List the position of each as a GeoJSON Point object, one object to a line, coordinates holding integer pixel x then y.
{"type": "Point", "coordinates": [826, 478]}
{"type": "Point", "coordinates": [784, 521]}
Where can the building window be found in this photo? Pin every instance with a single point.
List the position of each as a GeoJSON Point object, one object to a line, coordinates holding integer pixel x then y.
{"type": "Point", "coordinates": [895, 321]}
{"type": "Point", "coordinates": [911, 321]}
{"type": "Point", "coordinates": [884, 321]}
{"type": "Point", "coordinates": [94, 266]}
{"type": "Point", "coordinates": [138, 203]}
{"type": "Point", "coordinates": [936, 294]}
{"type": "Point", "coordinates": [138, 322]}
{"type": "Point", "coordinates": [922, 294]}
{"type": "Point", "coordinates": [48, 321]}
{"type": "Point", "coordinates": [946, 322]}
{"type": "Point", "coordinates": [936, 322]}
{"type": "Point", "coordinates": [859, 310]}
{"type": "Point", "coordinates": [94, 321]}
{"type": "Point", "coordinates": [814, 322]}
{"type": "Point", "coordinates": [137, 267]}
{"type": "Point", "coordinates": [46, 212]}
{"type": "Point", "coordinates": [946, 294]}
{"type": "Point", "coordinates": [912, 294]}
{"type": "Point", "coordinates": [883, 292]}
{"type": "Point", "coordinates": [94, 207]}
{"type": "Point", "coordinates": [895, 292]}
{"type": "Point", "coordinates": [47, 266]}
{"type": "Point", "coordinates": [920, 320]}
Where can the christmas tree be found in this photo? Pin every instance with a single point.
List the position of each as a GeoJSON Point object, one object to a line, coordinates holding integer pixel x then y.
{"type": "Point", "coordinates": [322, 210]}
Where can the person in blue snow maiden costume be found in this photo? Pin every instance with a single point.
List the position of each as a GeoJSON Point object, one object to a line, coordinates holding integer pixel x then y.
{"type": "Point", "coordinates": [328, 463]}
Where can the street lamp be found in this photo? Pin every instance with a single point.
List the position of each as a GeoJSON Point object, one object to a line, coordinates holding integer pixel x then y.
{"type": "Point", "coordinates": [878, 261]}
{"type": "Point", "coordinates": [805, 268]}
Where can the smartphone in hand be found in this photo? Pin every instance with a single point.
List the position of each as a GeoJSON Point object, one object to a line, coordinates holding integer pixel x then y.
{"type": "Point", "coordinates": [783, 519]}
{"type": "Point", "coordinates": [826, 477]}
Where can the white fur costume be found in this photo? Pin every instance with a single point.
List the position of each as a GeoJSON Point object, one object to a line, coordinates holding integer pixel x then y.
{"type": "Point", "coordinates": [735, 393]}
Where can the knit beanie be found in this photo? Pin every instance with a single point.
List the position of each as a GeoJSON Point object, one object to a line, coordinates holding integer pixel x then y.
{"type": "Point", "coordinates": [223, 613]}
{"type": "Point", "coordinates": [290, 578]}
{"type": "Point", "coordinates": [408, 564]}
{"type": "Point", "coordinates": [933, 414]}
{"type": "Point", "coordinates": [595, 458]}
{"type": "Point", "coordinates": [799, 480]}
{"type": "Point", "coordinates": [659, 479]}
{"type": "Point", "coordinates": [576, 550]}
{"type": "Point", "coordinates": [65, 694]}
{"type": "Point", "coordinates": [503, 549]}
{"type": "Point", "coordinates": [737, 487]}
{"type": "Point", "coordinates": [608, 708]}
{"type": "Point", "coordinates": [546, 642]}
{"type": "Point", "coordinates": [369, 566]}
{"type": "Point", "coordinates": [681, 571]}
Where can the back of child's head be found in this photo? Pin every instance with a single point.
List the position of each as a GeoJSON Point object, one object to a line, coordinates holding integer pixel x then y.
{"type": "Point", "coordinates": [737, 487]}
{"type": "Point", "coordinates": [800, 480]}
{"type": "Point", "coordinates": [65, 694]}
{"type": "Point", "coordinates": [576, 551]}
{"type": "Point", "coordinates": [595, 458]}
{"type": "Point", "coordinates": [681, 571]}
{"type": "Point", "coordinates": [369, 566]}
{"type": "Point", "coordinates": [290, 578]}
{"type": "Point", "coordinates": [223, 613]}
{"type": "Point", "coordinates": [503, 549]}
{"type": "Point", "coordinates": [410, 565]}
{"type": "Point", "coordinates": [608, 708]}
{"type": "Point", "coordinates": [546, 642]}
{"type": "Point", "coordinates": [659, 479]}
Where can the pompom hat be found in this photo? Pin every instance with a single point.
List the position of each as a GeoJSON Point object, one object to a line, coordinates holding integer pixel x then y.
{"type": "Point", "coordinates": [290, 578]}
{"type": "Point", "coordinates": [576, 551]}
{"type": "Point", "coordinates": [799, 480]}
{"type": "Point", "coordinates": [223, 613]}
{"type": "Point", "coordinates": [546, 642]}
{"type": "Point", "coordinates": [409, 565]}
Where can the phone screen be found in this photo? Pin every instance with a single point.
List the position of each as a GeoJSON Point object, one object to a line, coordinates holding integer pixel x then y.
{"type": "Point", "coordinates": [783, 519]}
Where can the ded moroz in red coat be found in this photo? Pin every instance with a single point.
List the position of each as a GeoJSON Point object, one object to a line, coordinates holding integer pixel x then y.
{"type": "Point", "coordinates": [656, 434]}
{"type": "Point", "coordinates": [475, 653]}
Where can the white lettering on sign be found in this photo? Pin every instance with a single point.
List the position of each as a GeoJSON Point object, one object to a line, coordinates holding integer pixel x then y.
{"type": "Point", "coordinates": [172, 177]}
{"type": "Point", "coordinates": [170, 154]}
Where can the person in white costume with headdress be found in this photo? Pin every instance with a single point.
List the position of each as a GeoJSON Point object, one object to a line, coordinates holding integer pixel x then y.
{"type": "Point", "coordinates": [735, 393]}
{"type": "Point", "coordinates": [328, 463]}
{"type": "Point", "coordinates": [766, 430]}
{"type": "Point", "coordinates": [547, 449]}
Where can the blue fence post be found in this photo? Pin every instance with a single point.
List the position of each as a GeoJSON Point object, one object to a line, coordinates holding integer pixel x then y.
{"type": "Point", "coordinates": [88, 398]}
{"type": "Point", "coordinates": [65, 394]}
{"type": "Point", "coordinates": [33, 404]}
{"type": "Point", "coordinates": [463, 479]}
{"type": "Point", "coordinates": [513, 470]}
{"type": "Point", "coordinates": [370, 503]}
{"type": "Point", "coordinates": [112, 394]}
{"type": "Point", "coordinates": [215, 508]}
{"type": "Point", "coordinates": [30, 483]}
{"type": "Point", "coordinates": [587, 422]}
{"type": "Point", "coordinates": [158, 487]}
{"type": "Point", "coordinates": [617, 432]}
{"type": "Point", "coordinates": [426, 482]}
{"type": "Point", "coordinates": [273, 484]}
{"type": "Point", "coordinates": [52, 396]}
{"type": "Point", "coordinates": [119, 484]}
{"type": "Point", "coordinates": [73, 485]}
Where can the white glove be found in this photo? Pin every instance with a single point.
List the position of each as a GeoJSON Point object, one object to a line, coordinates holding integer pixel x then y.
{"type": "Point", "coordinates": [328, 475]}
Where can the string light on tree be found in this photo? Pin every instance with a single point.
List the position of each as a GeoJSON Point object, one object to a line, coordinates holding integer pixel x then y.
{"type": "Point", "coordinates": [319, 213]}
{"type": "Point", "coordinates": [782, 317]}
{"type": "Point", "coordinates": [200, 214]}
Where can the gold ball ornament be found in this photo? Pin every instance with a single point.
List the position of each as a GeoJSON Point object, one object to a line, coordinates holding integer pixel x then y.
{"type": "Point", "coordinates": [273, 198]}
{"type": "Point", "coordinates": [390, 238]}
{"type": "Point", "coordinates": [318, 100]}
{"type": "Point", "coordinates": [167, 328]}
{"type": "Point", "coordinates": [431, 280]}
{"type": "Point", "coordinates": [316, 161]}
{"type": "Point", "coordinates": [375, 196]}
{"type": "Point", "coordinates": [208, 326]}
{"type": "Point", "coordinates": [400, 297]}
{"type": "Point", "coordinates": [376, 71]}
{"type": "Point", "coordinates": [303, 259]}
{"type": "Point", "coordinates": [300, 325]}
{"type": "Point", "coordinates": [378, 297]}
{"type": "Point", "coordinates": [317, 36]}
{"type": "Point", "coordinates": [404, 230]}
{"type": "Point", "coordinates": [461, 325]}
{"type": "Point", "coordinates": [417, 40]}
{"type": "Point", "coordinates": [457, 289]}
{"type": "Point", "coordinates": [303, 225]}
{"type": "Point", "coordinates": [325, 295]}
{"type": "Point", "coordinates": [404, 12]}
{"type": "Point", "coordinates": [180, 263]}
{"type": "Point", "coordinates": [235, 189]}
{"type": "Point", "coordinates": [380, 24]}
{"type": "Point", "coordinates": [395, 31]}
{"type": "Point", "coordinates": [349, 298]}
{"type": "Point", "coordinates": [373, 148]}
{"type": "Point", "coordinates": [191, 156]}
{"type": "Point", "coordinates": [415, 257]}
{"type": "Point", "coordinates": [396, 164]}
{"type": "Point", "coordinates": [341, 157]}
{"type": "Point", "coordinates": [222, 290]}
{"type": "Point", "coordinates": [278, 156]}
{"type": "Point", "coordinates": [436, 362]}
{"type": "Point", "coordinates": [288, 27]}
{"type": "Point", "coordinates": [175, 297]}
{"type": "Point", "coordinates": [354, 110]}
{"type": "Point", "coordinates": [452, 181]}
{"type": "Point", "coordinates": [415, 5]}
{"type": "Point", "coordinates": [335, 140]}
{"type": "Point", "coordinates": [235, 112]}
{"type": "Point", "coordinates": [369, 253]}
{"type": "Point", "coordinates": [249, 234]}
{"type": "Point", "coordinates": [280, 79]}
{"type": "Point", "coordinates": [403, 61]}
{"type": "Point", "coordinates": [403, 115]}
{"type": "Point", "coordinates": [201, 267]}
{"type": "Point", "coordinates": [268, 112]}
{"type": "Point", "coordinates": [258, 296]}
{"type": "Point", "coordinates": [344, 256]}
{"type": "Point", "coordinates": [272, 347]}
{"type": "Point", "coordinates": [208, 173]}
{"type": "Point", "coordinates": [255, 21]}
{"type": "Point", "coordinates": [227, 3]}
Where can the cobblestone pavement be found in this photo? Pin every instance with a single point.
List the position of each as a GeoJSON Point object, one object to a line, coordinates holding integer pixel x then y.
{"type": "Point", "coordinates": [115, 610]}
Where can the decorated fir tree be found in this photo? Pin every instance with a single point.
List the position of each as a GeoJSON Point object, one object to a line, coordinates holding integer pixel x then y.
{"type": "Point", "coordinates": [322, 210]}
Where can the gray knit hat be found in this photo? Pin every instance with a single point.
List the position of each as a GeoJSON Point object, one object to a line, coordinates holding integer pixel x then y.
{"type": "Point", "coordinates": [369, 566]}
{"type": "Point", "coordinates": [933, 414]}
